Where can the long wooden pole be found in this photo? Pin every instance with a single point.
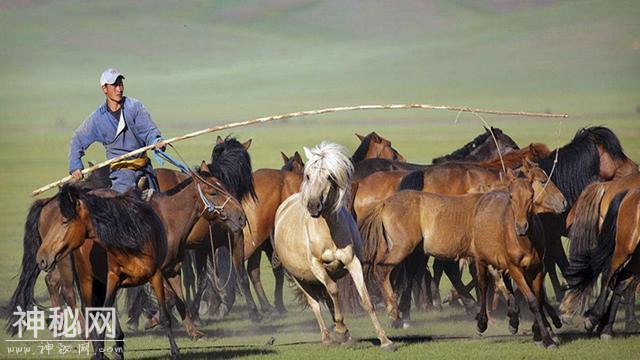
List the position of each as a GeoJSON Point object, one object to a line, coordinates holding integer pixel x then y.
{"type": "Point", "coordinates": [293, 115]}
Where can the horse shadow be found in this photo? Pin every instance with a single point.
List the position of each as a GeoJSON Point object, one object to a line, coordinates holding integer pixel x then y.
{"type": "Point", "coordinates": [215, 352]}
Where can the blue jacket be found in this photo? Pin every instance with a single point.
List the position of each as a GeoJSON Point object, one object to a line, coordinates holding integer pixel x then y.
{"type": "Point", "coordinates": [101, 127]}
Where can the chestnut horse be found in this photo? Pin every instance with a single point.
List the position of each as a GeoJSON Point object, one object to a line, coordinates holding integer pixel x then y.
{"type": "Point", "coordinates": [451, 227]}
{"type": "Point", "coordinates": [317, 240]}
{"type": "Point", "coordinates": [548, 199]}
{"type": "Point", "coordinates": [614, 254]}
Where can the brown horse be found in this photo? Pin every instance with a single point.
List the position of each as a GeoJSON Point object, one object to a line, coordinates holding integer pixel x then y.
{"type": "Point", "coordinates": [122, 241]}
{"type": "Point", "coordinates": [614, 255]}
{"type": "Point", "coordinates": [446, 226]}
{"type": "Point", "coordinates": [480, 148]}
{"type": "Point", "coordinates": [548, 198]}
{"type": "Point", "coordinates": [594, 154]}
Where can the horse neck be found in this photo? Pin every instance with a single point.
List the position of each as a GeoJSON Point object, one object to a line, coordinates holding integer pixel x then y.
{"type": "Point", "coordinates": [179, 212]}
{"type": "Point", "coordinates": [625, 168]}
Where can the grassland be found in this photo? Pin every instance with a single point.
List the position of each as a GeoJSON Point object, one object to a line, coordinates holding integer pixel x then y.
{"type": "Point", "coordinates": [202, 63]}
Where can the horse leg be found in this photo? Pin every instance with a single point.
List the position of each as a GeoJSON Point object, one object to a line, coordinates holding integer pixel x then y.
{"type": "Point", "coordinates": [534, 304]}
{"type": "Point", "coordinates": [165, 319]}
{"type": "Point", "coordinates": [382, 273]}
{"type": "Point", "coordinates": [537, 286]}
{"type": "Point", "coordinates": [438, 269]}
{"type": "Point", "coordinates": [513, 309]}
{"type": "Point", "coordinates": [321, 274]}
{"type": "Point", "coordinates": [482, 317]}
{"type": "Point", "coordinates": [175, 282]}
{"type": "Point", "coordinates": [253, 269]}
{"type": "Point", "coordinates": [315, 307]}
{"type": "Point", "coordinates": [243, 279]}
{"type": "Point", "coordinates": [113, 283]}
{"type": "Point", "coordinates": [631, 323]}
{"type": "Point", "coordinates": [453, 272]}
{"type": "Point", "coordinates": [200, 265]}
{"type": "Point", "coordinates": [355, 270]}
{"type": "Point", "coordinates": [622, 282]}
{"type": "Point", "coordinates": [278, 273]}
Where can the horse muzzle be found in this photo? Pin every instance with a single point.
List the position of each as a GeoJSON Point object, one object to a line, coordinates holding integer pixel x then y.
{"type": "Point", "coordinates": [521, 229]}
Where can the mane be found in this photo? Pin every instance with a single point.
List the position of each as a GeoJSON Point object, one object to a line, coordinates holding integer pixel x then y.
{"type": "Point", "coordinates": [463, 152]}
{"type": "Point", "coordinates": [231, 164]}
{"type": "Point", "coordinates": [607, 139]}
{"type": "Point", "coordinates": [361, 151]}
{"type": "Point", "coordinates": [329, 157]}
{"type": "Point", "coordinates": [513, 159]}
{"type": "Point", "coordinates": [123, 221]}
{"type": "Point", "coordinates": [578, 163]}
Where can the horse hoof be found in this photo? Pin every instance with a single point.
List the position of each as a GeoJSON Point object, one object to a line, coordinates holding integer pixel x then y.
{"type": "Point", "coordinates": [538, 343]}
{"type": "Point", "coordinates": [406, 324]}
{"type": "Point", "coordinates": [344, 337]}
{"type": "Point", "coordinates": [390, 347]}
{"type": "Point", "coordinates": [605, 336]}
{"type": "Point", "coordinates": [551, 346]}
{"type": "Point", "coordinates": [481, 329]}
{"type": "Point", "coordinates": [513, 329]}
{"type": "Point", "coordinates": [589, 325]}
{"type": "Point", "coordinates": [281, 310]}
{"type": "Point", "coordinates": [132, 327]}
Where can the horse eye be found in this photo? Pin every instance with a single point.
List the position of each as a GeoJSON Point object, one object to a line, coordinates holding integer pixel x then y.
{"type": "Point", "coordinates": [307, 176]}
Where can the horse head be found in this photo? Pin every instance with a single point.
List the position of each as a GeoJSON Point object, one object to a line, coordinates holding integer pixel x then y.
{"type": "Point", "coordinates": [327, 179]}
{"type": "Point", "coordinates": [70, 226]}
{"type": "Point", "coordinates": [375, 146]}
{"type": "Point", "coordinates": [219, 205]}
{"type": "Point", "coordinates": [521, 194]}
{"type": "Point", "coordinates": [293, 164]}
{"type": "Point", "coordinates": [547, 197]}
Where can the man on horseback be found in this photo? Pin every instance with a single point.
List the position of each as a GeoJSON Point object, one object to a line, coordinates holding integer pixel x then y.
{"type": "Point", "coordinates": [122, 125]}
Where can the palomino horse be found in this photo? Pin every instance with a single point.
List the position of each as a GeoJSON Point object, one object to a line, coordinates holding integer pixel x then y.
{"type": "Point", "coordinates": [614, 255]}
{"type": "Point", "coordinates": [446, 226]}
{"type": "Point", "coordinates": [548, 198]}
{"type": "Point", "coordinates": [316, 239]}
{"type": "Point", "coordinates": [481, 148]}
{"type": "Point", "coordinates": [594, 154]}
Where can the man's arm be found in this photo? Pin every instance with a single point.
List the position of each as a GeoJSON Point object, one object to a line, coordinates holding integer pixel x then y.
{"type": "Point", "coordinates": [144, 126]}
{"type": "Point", "coordinates": [82, 138]}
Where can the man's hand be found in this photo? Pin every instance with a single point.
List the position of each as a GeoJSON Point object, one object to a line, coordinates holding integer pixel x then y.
{"type": "Point", "coordinates": [77, 175]}
{"type": "Point", "coordinates": [160, 145]}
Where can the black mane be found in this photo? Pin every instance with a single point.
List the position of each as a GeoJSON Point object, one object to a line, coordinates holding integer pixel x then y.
{"type": "Point", "coordinates": [361, 151]}
{"type": "Point", "coordinates": [123, 221]}
{"type": "Point", "coordinates": [231, 164]}
{"type": "Point", "coordinates": [463, 152]}
{"type": "Point", "coordinates": [579, 161]}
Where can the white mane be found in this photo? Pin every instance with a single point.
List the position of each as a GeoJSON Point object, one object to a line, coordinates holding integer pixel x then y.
{"type": "Point", "coordinates": [328, 160]}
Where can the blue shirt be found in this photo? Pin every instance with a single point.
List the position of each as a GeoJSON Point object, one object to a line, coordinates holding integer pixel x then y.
{"type": "Point", "coordinates": [101, 127]}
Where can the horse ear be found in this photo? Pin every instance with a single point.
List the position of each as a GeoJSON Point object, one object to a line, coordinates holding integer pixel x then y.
{"type": "Point", "coordinates": [375, 137]}
{"type": "Point", "coordinates": [68, 200]}
{"type": "Point", "coordinates": [297, 157]}
{"type": "Point", "coordinates": [360, 137]}
{"type": "Point", "coordinates": [307, 152]}
{"type": "Point", "coordinates": [246, 145]}
{"type": "Point", "coordinates": [204, 167]}
{"type": "Point", "coordinates": [219, 140]}
{"type": "Point", "coordinates": [285, 158]}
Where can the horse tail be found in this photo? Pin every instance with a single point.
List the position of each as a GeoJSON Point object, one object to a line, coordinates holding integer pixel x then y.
{"type": "Point", "coordinates": [23, 294]}
{"type": "Point", "coordinates": [412, 181]}
{"type": "Point", "coordinates": [586, 264]}
{"type": "Point", "coordinates": [372, 230]}
{"type": "Point", "coordinates": [585, 215]}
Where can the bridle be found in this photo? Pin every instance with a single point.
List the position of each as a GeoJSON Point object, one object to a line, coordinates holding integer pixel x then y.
{"type": "Point", "coordinates": [212, 208]}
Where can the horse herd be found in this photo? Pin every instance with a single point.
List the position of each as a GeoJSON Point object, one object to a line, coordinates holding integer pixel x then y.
{"type": "Point", "coordinates": [347, 229]}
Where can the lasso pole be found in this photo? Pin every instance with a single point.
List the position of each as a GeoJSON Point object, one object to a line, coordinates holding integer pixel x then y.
{"type": "Point", "coordinates": [293, 115]}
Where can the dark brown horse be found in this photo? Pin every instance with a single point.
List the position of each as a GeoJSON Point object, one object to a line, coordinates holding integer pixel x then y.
{"type": "Point", "coordinates": [594, 154]}
{"type": "Point", "coordinates": [614, 255]}
{"type": "Point", "coordinates": [450, 227]}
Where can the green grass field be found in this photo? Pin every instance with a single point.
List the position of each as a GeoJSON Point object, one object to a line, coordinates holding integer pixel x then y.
{"type": "Point", "coordinates": [199, 64]}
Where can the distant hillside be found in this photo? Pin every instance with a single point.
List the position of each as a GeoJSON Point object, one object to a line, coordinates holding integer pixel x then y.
{"type": "Point", "coordinates": [198, 61]}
